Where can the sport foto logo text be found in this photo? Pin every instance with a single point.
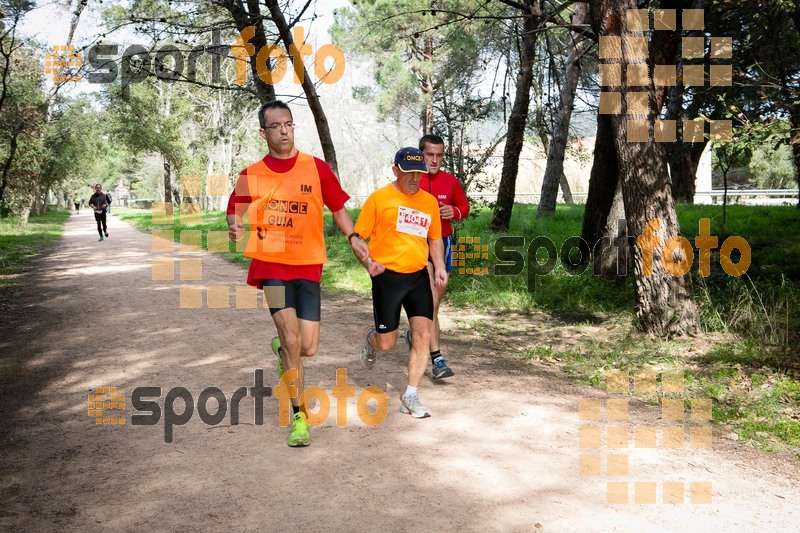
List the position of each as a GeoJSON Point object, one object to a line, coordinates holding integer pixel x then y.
{"type": "Point", "coordinates": [148, 412]}
{"type": "Point", "coordinates": [169, 63]}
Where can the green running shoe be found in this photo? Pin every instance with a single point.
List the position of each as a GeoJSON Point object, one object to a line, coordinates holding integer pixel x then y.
{"type": "Point", "coordinates": [299, 436]}
{"type": "Point", "coordinates": [276, 349]}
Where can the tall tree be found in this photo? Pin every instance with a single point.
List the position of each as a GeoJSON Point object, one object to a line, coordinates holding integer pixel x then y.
{"type": "Point", "coordinates": [554, 171]}
{"type": "Point", "coordinates": [664, 300]}
{"type": "Point", "coordinates": [604, 210]}
{"type": "Point", "coordinates": [149, 120]}
{"type": "Point", "coordinates": [300, 49]}
{"type": "Point", "coordinates": [423, 51]}
{"type": "Point", "coordinates": [532, 20]}
{"type": "Point", "coordinates": [21, 132]}
{"type": "Point", "coordinates": [766, 57]}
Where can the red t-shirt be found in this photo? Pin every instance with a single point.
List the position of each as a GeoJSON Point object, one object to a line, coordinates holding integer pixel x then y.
{"type": "Point", "coordinates": [334, 198]}
{"type": "Point", "coordinates": [448, 191]}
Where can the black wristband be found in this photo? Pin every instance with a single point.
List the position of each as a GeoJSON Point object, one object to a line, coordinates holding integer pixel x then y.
{"type": "Point", "coordinates": [354, 234]}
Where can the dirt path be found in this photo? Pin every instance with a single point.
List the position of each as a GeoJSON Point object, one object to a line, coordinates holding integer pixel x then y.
{"type": "Point", "coordinates": [501, 451]}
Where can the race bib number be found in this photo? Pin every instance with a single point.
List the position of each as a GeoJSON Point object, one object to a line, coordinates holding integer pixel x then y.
{"type": "Point", "coordinates": [413, 222]}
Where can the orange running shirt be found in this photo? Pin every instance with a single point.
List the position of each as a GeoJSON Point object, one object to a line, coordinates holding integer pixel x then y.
{"type": "Point", "coordinates": [398, 227]}
{"type": "Point", "coordinates": [285, 213]}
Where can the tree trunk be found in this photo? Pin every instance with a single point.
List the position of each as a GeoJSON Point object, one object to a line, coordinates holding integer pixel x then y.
{"type": "Point", "coordinates": [25, 215]}
{"type": "Point", "coordinates": [664, 302]}
{"type": "Point", "coordinates": [565, 190]}
{"type": "Point", "coordinates": [501, 217]}
{"type": "Point", "coordinates": [32, 203]}
{"type": "Point", "coordinates": [683, 158]}
{"type": "Point", "coordinates": [605, 168]}
{"type": "Point", "coordinates": [794, 117]}
{"type": "Point", "coordinates": [612, 256]}
{"type": "Point", "coordinates": [603, 182]}
{"type": "Point", "coordinates": [167, 184]}
{"type": "Point", "coordinates": [554, 173]}
{"type": "Point", "coordinates": [321, 121]}
{"type": "Point", "coordinates": [243, 19]}
{"type": "Point", "coordinates": [683, 162]}
{"type": "Point", "coordinates": [426, 116]}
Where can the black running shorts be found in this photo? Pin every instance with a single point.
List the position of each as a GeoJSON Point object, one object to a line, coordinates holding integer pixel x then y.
{"type": "Point", "coordinates": [391, 290]}
{"type": "Point", "coordinates": [301, 294]}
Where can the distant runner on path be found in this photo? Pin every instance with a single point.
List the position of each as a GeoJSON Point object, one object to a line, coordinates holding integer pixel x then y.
{"type": "Point", "coordinates": [99, 203]}
{"type": "Point", "coordinates": [283, 197]}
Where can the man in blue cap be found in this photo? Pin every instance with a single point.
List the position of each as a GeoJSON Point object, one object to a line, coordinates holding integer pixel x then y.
{"type": "Point", "coordinates": [403, 226]}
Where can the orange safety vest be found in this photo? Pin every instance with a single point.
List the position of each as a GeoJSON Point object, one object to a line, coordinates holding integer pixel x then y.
{"type": "Point", "coordinates": [285, 213]}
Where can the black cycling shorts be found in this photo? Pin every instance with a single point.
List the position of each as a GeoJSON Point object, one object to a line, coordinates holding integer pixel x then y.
{"type": "Point", "coordinates": [391, 290]}
{"type": "Point", "coordinates": [301, 294]}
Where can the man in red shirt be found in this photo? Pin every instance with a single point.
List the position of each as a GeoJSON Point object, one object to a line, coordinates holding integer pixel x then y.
{"type": "Point", "coordinates": [283, 196]}
{"type": "Point", "coordinates": [453, 205]}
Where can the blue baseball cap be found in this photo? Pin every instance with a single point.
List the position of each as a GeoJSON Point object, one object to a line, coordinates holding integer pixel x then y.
{"type": "Point", "coordinates": [410, 160]}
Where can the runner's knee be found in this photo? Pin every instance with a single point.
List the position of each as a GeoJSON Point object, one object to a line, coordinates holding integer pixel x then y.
{"type": "Point", "coordinates": [384, 343]}
{"type": "Point", "coordinates": [291, 345]}
{"type": "Point", "coordinates": [311, 350]}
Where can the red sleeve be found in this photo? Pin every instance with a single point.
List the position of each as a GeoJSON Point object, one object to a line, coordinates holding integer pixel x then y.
{"type": "Point", "coordinates": [460, 201]}
{"type": "Point", "coordinates": [333, 196]}
{"type": "Point", "coordinates": [234, 199]}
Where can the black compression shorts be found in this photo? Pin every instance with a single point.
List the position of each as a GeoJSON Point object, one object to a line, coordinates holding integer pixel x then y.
{"type": "Point", "coordinates": [301, 294]}
{"type": "Point", "coordinates": [391, 290]}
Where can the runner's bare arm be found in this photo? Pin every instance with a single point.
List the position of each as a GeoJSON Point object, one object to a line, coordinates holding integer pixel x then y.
{"type": "Point", "coordinates": [437, 254]}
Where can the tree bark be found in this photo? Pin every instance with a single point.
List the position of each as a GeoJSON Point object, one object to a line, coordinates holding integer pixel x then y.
{"type": "Point", "coordinates": [682, 157]}
{"type": "Point", "coordinates": [320, 119]}
{"type": "Point", "coordinates": [611, 256]}
{"type": "Point", "coordinates": [501, 217]}
{"type": "Point", "coordinates": [243, 19]}
{"type": "Point", "coordinates": [603, 184]}
{"type": "Point", "coordinates": [664, 302]}
{"type": "Point", "coordinates": [554, 173]}
{"type": "Point", "coordinates": [565, 190]}
{"type": "Point", "coordinates": [167, 183]}
{"type": "Point", "coordinates": [683, 162]}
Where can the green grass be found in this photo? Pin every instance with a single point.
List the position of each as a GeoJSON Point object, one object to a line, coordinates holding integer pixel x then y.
{"type": "Point", "coordinates": [771, 232]}
{"type": "Point", "coordinates": [19, 245]}
{"type": "Point", "coordinates": [761, 403]}
{"type": "Point", "coordinates": [579, 297]}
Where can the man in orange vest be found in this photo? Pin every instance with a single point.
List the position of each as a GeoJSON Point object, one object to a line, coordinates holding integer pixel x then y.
{"type": "Point", "coordinates": [403, 226]}
{"type": "Point", "coordinates": [283, 197]}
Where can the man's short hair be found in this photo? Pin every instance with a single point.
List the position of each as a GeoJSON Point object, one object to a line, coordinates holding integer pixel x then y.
{"type": "Point", "coordinates": [272, 104]}
{"type": "Point", "coordinates": [430, 139]}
